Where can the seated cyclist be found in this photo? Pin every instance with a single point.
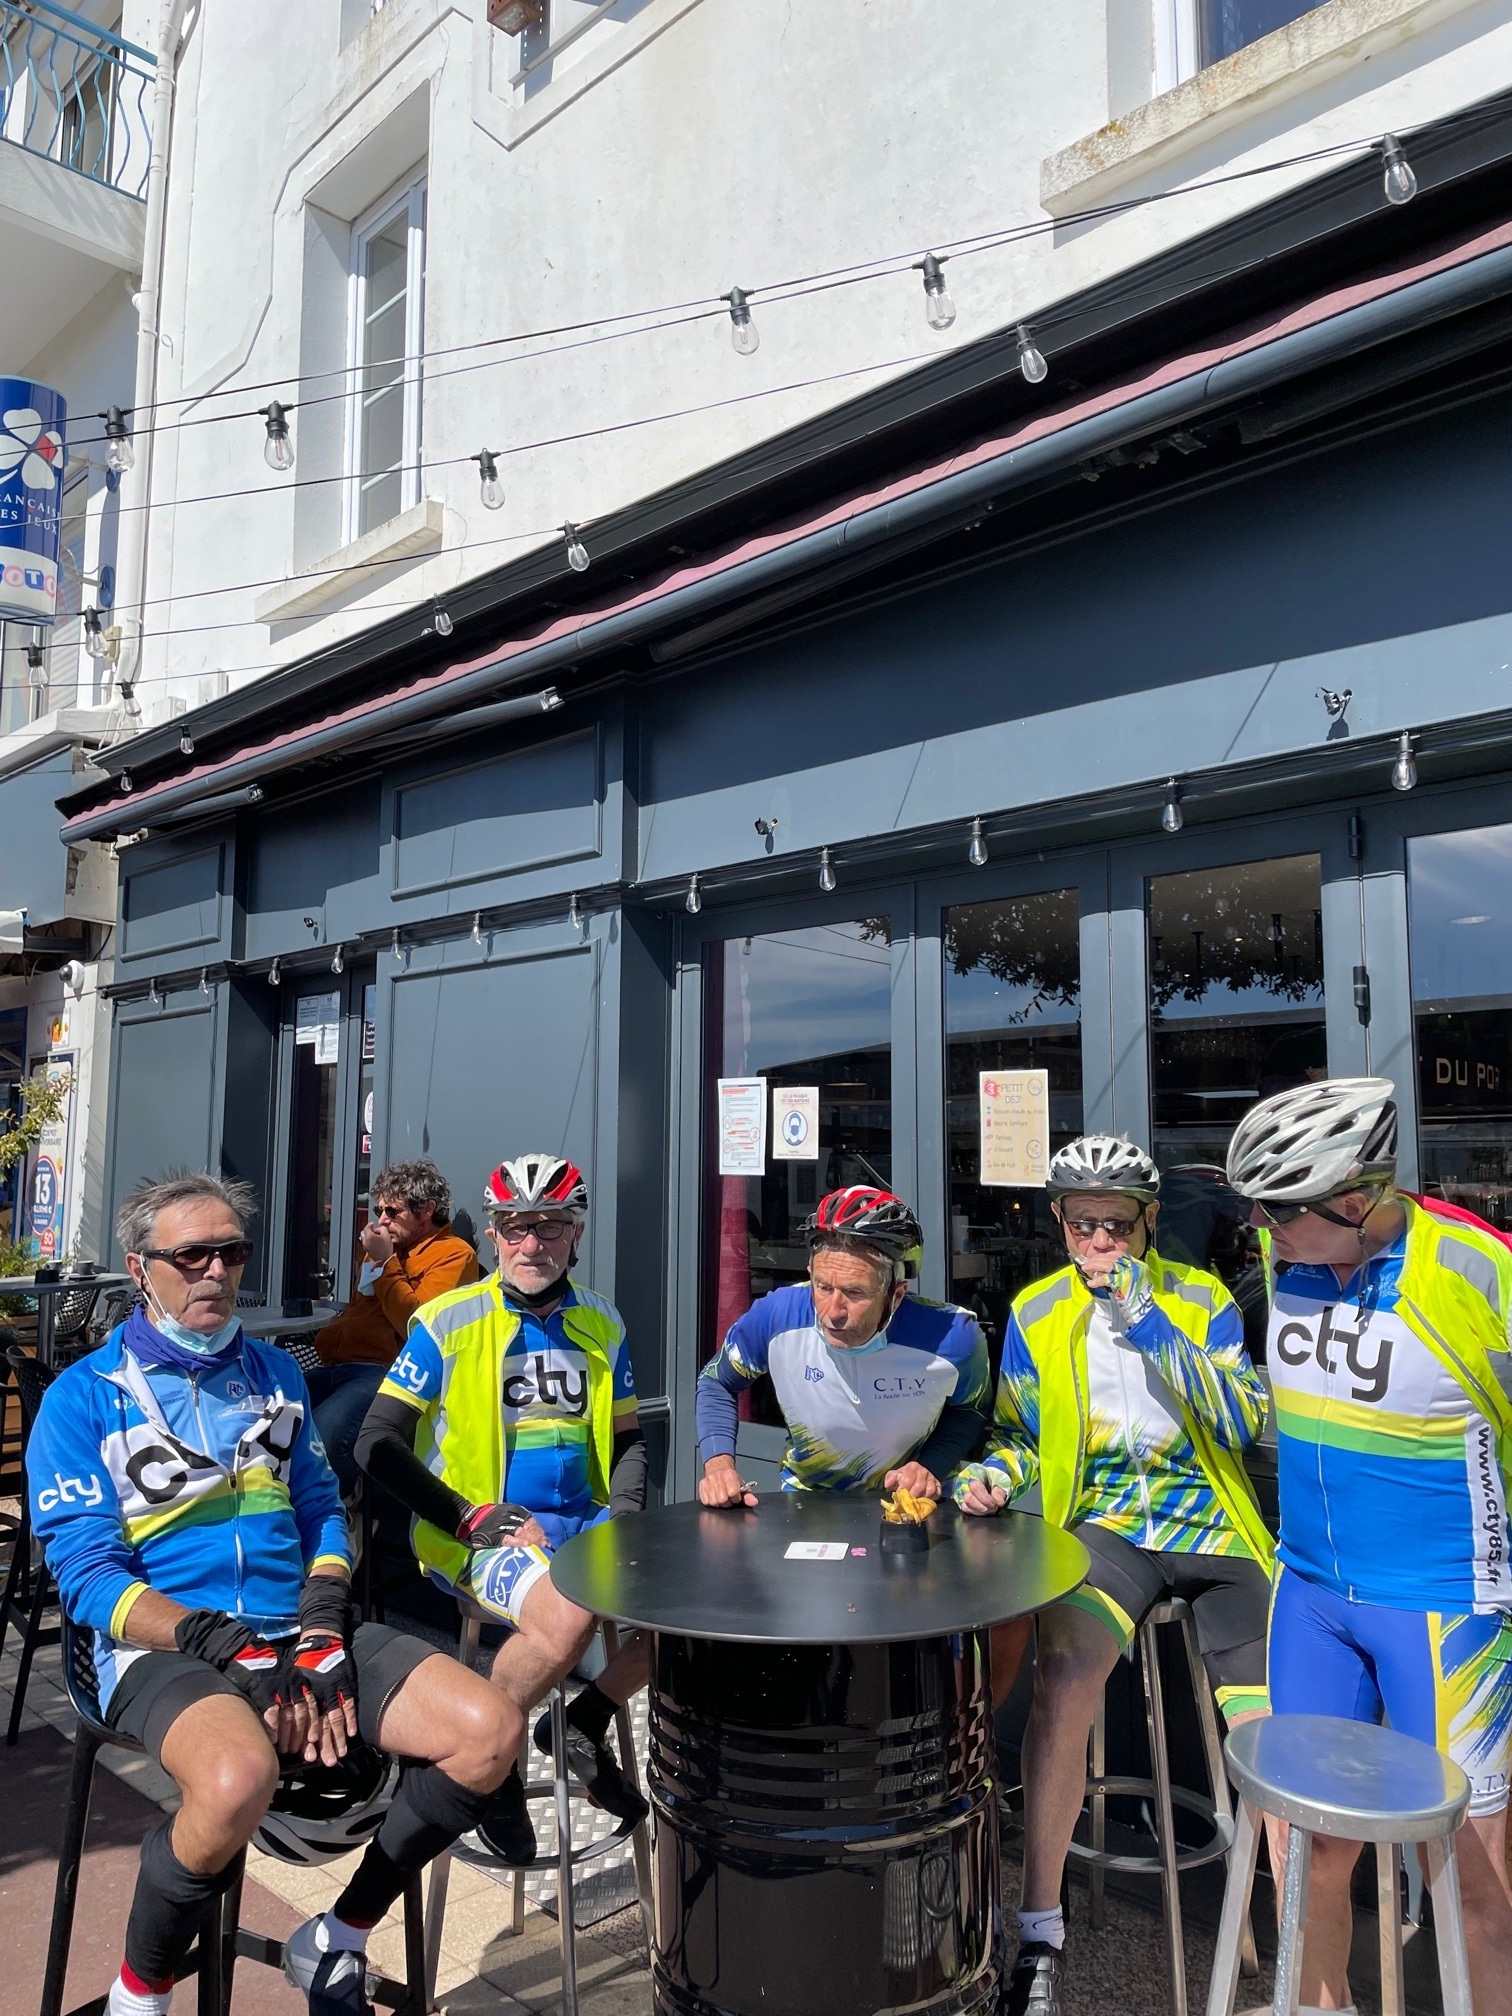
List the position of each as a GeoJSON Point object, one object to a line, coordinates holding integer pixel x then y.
{"type": "Point", "coordinates": [507, 1424]}
{"type": "Point", "coordinates": [1388, 1359]}
{"type": "Point", "coordinates": [195, 1529]}
{"type": "Point", "coordinates": [834, 1348]}
{"type": "Point", "coordinates": [1127, 1396]}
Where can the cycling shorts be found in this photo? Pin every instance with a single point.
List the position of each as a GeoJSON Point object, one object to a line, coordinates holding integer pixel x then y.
{"type": "Point", "coordinates": [1442, 1676]}
{"type": "Point", "coordinates": [498, 1579]}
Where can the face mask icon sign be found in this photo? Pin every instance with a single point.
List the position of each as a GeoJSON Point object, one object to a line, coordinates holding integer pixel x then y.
{"type": "Point", "coordinates": [795, 1127]}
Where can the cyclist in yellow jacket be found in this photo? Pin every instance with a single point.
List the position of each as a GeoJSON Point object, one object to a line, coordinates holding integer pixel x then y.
{"type": "Point", "coordinates": [507, 1424]}
{"type": "Point", "coordinates": [1127, 1398]}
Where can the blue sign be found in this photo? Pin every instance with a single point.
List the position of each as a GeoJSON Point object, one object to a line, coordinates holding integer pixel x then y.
{"type": "Point", "coordinates": [46, 1197]}
{"type": "Point", "coordinates": [33, 426]}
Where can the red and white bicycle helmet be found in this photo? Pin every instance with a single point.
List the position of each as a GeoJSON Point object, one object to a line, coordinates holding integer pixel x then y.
{"type": "Point", "coordinates": [875, 1217]}
{"type": "Point", "coordinates": [536, 1182]}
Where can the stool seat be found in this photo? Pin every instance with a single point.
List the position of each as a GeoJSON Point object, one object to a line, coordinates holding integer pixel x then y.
{"type": "Point", "coordinates": [1349, 1779]}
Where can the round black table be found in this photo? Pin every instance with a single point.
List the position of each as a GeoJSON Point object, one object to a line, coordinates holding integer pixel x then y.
{"type": "Point", "coordinates": [822, 1771]}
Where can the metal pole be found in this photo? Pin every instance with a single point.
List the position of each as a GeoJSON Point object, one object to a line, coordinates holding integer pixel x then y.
{"type": "Point", "coordinates": [1234, 1918]}
{"type": "Point", "coordinates": [1449, 1926]}
{"type": "Point", "coordinates": [1293, 1914]}
{"type": "Point", "coordinates": [66, 1889]}
{"type": "Point", "coordinates": [564, 1853]}
{"type": "Point", "coordinates": [1165, 1819]}
{"type": "Point", "coordinates": [1389, 1910]}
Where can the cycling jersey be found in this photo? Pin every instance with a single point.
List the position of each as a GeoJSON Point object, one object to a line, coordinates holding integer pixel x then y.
{"type": "Point", "coordinates": [1391, 1491]}
{"type": "Point", "coordinates": [853, 1413]}
{"type": "Point", "coordinates": [211, 1488]}
{"type": "Point", "coordinates": [1137, 1426]}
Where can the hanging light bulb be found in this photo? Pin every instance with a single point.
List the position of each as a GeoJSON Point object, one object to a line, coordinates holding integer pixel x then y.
{"type": "Point", "coordinates": [36, 667]}
{"type": "Point", "coordinates": [939, 309]}
{"type": "Point", "coordinates": [577, 552]}
{"type": "Point", "coordinates": [477, 930]}
{"type": "Point", "coordinates": [186, 742]}
{"type": "Point", "coordinates": [491, 488]}
{"type": "Point", "coordinates": [976, 853]}
{"type": "Point", "coordinates": [693, 901]}
{"type": "Point", "coordinates": [1401, 183]}
{"type": "Point", "coordinates": [826, 871]}
{"type": "Point", "coordinates": [1172, 818]}
{"type": "Point", "coordinates": [152, 992]}
{"type": "Point", "coordinates": [204, 979]}
{"type": "Point", "coordinates": [126, 783]}
{"type": "Point", "coordinates": [743, 332]}
{"type": "Point", "coordinates": [120, 455]}
{"type": "Point", "coordinates": [338, 964]}
{"type": "Point", "coordinates": [574, 914]}
{"type": "Point", "coordinates": [394, 946]}
{"type": "Point", "coordinates": [275, 975]}
{"type": "Point", "coordinates": [1031, 358]}
{"type": "Point", "coordinates": [94, 635]}
{"type": "Point", "coordinates": [441, 621]}
{"type": "Point", "coordinates": [278, 449]}
{"type": "Point", "coordinates": [1404, 770]}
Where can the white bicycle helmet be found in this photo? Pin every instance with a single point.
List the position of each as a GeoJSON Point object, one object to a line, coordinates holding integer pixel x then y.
{"type": "Point", "coordinates": [1108, 1163]}
{"type": "Point", "coordinates": [321, 1812]}
{"type": "Point", "coordinates": [1308, 1143]}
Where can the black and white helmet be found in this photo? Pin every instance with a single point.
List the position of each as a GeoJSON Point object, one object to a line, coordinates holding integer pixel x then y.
{"type": "Point", "coordinates": [320, 1812]}
{"type": "Point", "coordinates": [1103, 1162]}
{"type": "Point", "coordinates": [1315, 1140]}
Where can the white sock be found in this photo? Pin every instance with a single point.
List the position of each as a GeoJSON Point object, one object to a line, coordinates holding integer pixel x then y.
{"type": "Point", "coordinates": [124, 2001]}
{"type": "Point", "coordinates": [337, 1936]}
{"type": "Point", "coordinates": [1042, 1928]}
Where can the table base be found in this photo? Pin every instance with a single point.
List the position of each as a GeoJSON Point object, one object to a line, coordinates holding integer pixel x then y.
{"type": "Point", "coordinates": [826, 1837]}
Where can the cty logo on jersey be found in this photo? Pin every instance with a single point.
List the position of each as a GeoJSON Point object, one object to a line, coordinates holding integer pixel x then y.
{"type": "Point", "coordinates": [562, 1388]}
{"type": "Point", "coordinates": [70, 1491]}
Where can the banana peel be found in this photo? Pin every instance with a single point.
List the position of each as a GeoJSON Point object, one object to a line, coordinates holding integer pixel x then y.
{"type": "Point", "coordinates": [904, 1509]}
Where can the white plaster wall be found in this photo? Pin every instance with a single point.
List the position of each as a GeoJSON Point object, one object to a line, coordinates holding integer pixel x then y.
{"type": "Point", "coordinates": [747, 141]}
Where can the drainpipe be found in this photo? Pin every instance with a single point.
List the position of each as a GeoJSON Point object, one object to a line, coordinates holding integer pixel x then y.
{"type": "Point", "coordinates": [131, 567]}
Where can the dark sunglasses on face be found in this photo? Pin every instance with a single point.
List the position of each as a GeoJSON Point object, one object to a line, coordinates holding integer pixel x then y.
{"type": "Point", "coordinates": [1277, 1215]}
{"type": "Point", "coordinates": [1088, 1228]}
{"type": "Point", "coordinates": [195, 1259]}
{"type": "Point", "coordinates": [389, 1210]}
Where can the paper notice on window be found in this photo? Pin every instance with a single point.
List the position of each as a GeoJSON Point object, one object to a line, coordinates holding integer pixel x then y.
{"type": "Point", "coordinates": [317, 1021]}
{"type": "Point", "coordinates": [742, 1126]}
{"type": "Point", "coordinates": [1015, 1107]}
{"type": "Point", "coordinates": [795, 1123]}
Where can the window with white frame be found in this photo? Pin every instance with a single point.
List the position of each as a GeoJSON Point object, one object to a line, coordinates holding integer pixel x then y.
{"type": "Point", "coordinates": [387, 323]}
{"type": "Point", "coordinates": [1191, 34]}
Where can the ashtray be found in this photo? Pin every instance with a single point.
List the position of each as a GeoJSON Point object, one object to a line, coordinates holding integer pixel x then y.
{"type": "Point", "coordinates": [905, 1536]}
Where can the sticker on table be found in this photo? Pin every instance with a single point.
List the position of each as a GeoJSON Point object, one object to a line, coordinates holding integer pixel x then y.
{"type": "Point", "coordinates": [795, 1123]}
{"type": "Point", "coordinates": [1015, 1114]}
{"type": "Point", "coordinates": [817, 1550]}
{"type": "Point", "coordinates": [742, 1126]}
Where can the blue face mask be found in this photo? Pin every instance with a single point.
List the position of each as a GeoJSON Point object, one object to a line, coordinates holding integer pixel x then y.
{"type": "Point", "coordinates": [195, 1342]}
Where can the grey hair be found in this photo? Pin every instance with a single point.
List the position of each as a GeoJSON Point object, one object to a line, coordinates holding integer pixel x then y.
{"type": "Point", "coordinates": [144, 1201]}
{"type": "Point", "coordinates": [414, 1185]}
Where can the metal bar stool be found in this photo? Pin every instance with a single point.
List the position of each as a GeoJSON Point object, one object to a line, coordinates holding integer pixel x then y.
{"type": "Point", "coordinates": [560, 1790]}
{"type": "Point", "coordinates": [31, 1380]}
{"type": "Point", "coordinates": [221, 1941]}
{"type": "Point", "coordinates": [1215, 1810]}
{"type": "Point", "coordinates": [1355, 1782]}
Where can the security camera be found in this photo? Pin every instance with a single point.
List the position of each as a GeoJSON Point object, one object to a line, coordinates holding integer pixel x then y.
{"type": "Point", "coordinates": [72, 976]}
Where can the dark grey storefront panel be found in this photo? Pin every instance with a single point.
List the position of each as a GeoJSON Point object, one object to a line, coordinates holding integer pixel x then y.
{"type": "Point", "coordinates": [528, 808]}
{"type": "Point", "coordinates": [492, 1057]}
{"type": "Point", "coordinates": [165, 1082]}
{"type": "Point", "coordinates": [33, 866]}
{"type": "Point", "coordinates": [317, 860]}
{"type": "Point", "coordinates": [175, 909]}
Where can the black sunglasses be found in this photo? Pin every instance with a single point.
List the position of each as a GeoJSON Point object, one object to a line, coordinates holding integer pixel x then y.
{"type": "Point", "coordinates": [195, 1259]}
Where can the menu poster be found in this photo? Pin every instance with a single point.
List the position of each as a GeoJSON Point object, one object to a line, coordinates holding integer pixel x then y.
{"type": "Point", "coordinates": [795, 1123]}
{"type": "Point", "coordinates": [742, 1126]}
{"type": "Point", "coordinates": [317, 1020]}
{"type": "Point", "coordinates": [1015, 1107]}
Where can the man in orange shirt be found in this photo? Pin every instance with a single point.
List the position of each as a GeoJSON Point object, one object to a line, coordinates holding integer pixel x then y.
{"type": "Point", "coordinates": [409, 1258]}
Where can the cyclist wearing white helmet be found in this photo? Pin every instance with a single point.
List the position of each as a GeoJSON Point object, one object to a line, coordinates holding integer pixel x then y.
{"type": "Point", "coordinates": [507, 1424]}
{"type": "Point", "coordinates": [1388, 1359]}
{"type": "Point", "coordinates": [1127, 1397]}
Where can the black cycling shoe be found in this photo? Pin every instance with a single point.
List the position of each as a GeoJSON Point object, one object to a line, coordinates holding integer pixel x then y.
{"type": "Point", "coordinates": [505, 1831]}
{"type": "Point", "coordinates": [1034, 1987]}
{"type": "Point", "coordinates": [593, 1765]}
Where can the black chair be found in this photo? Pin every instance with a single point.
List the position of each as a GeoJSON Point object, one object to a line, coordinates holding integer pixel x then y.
{"type": "Point", "coordinates": [221, 1941]}
{"type": "Point", "coordinates": [72, 1311]}
{"type": "Point", "coordinates": [31, 1381]}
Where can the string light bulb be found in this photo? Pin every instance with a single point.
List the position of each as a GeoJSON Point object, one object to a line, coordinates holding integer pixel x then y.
{"type": "Point", "coordinates": [1031, 358]}
{"type": "Point", "coordinates": [743, 331]}
{"type": "Point", "coordinates": [1404, 770]}
{"type": "Point", "coordinates": [939, 309]}
{"type": "Point", "coordinates": [152, 992]}
{"type": "Point", "coordinates": [826, 871]}
{"type": "Point", "coordinates": [36, 670]}
{"type": "Point", "coordinates": [186, 742]}
{"type": "Point", "coordinates": [204, 979]}
{"type": "Point", "coordinates": [976, 853]}
{"type": "Point", "coordinates": [441, 621]}
{"type": "Point", "coordinates": [1172, 818]}
{"type": "Point", "coordinates": [126, 784]}
{"type": "Point", "coordinates": [395, 949]}
{"type": "Point", "coordinates": [94, 635]}
{"type": "Point", "coordinates": [577, 552]}
{"type": "Point", "coordinates": [477, 930]}
{"type": "Point", "coordinates": [1400, 182]}
{"type": "Point", "coordinates": [338, 964]}
{"type": "Point", "coordinates": [489, 487]}
{"type": "Point", "coordinates": [275, 975]}
{"type": "Point", "coordinates": [574, 914]}
{"type": "Point", "coordinates": [693, 901]}
{"type": "Point", "coordinates": [278, 449]}
{"type": "Point", "coordinates": [120, 455]}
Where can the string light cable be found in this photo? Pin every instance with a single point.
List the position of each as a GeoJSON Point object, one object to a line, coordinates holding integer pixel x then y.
{"type": "Point", "coordinates": [635, 322]}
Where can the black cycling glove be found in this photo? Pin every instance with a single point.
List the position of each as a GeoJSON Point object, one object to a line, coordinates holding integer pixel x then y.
{"type": "Point", "coordinates": [321, 1664]}
{"type": "Point", "coordinates": [253, 1666]}
{"type": "Point", "coordinates": [492, 1525]}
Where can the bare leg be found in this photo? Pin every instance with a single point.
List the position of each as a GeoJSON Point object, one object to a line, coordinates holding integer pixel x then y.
{"type": "Point", "coordinates": [553, 1635]}
{"type": "Point", "coordinates": [219, 1756]}
{"type": "Point", "coordinates": [1330, 1916]}
{"type": "Point", "coordinates": [1076, 1655]}
{"type": "Point", "coordinates": [446, 1715]}
{"type": "Point", "coordinates": [1486, 1899]}
{"type": "Point", "coordinates": [628, 1671]}
{"type": "Point", "coordinates": [1008, 1644]}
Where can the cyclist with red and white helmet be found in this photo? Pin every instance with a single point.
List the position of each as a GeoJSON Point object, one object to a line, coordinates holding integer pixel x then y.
{"type": "Point", "coordinates": [507, 1424]}
{"type": "Point", "coordinates": [878, 1388]}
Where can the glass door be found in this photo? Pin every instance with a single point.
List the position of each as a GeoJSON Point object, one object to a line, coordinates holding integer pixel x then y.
{"type": "Point", "coordinates": [316, 1007]}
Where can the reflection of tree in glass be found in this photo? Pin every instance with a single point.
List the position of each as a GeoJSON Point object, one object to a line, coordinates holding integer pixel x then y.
{"type": "Point", "coordinates": [875, 930]}
{"type": "Point", "coordinates": [1232, 943]}
{"type": "Point", "coordinates": [1023, 945]}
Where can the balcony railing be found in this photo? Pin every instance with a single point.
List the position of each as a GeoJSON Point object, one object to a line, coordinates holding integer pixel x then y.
{"type": "Point", "coordinates": [75, 94]}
